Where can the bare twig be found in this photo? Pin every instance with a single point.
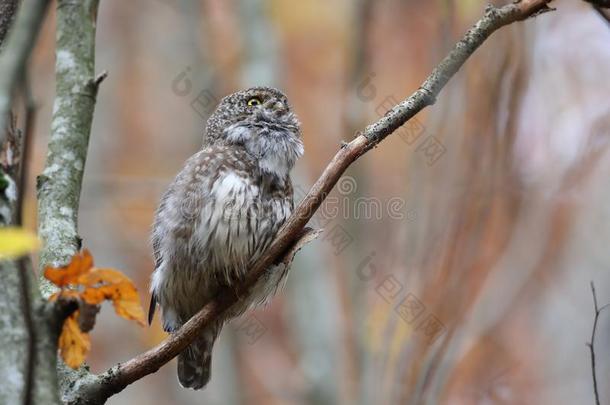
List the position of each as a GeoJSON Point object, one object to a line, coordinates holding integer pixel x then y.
{"type": "Point", "coordinates": [591, 344]}
{"type": "Point", "coordinates": [118, 377]}
{"type": "Point", "coordinates": [16, 51]}
{"type": "Point", "coordinates": [26, 147]}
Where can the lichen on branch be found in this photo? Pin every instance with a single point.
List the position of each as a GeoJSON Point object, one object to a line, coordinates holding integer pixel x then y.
{"type": "Point", "coordinates": [59, 185]}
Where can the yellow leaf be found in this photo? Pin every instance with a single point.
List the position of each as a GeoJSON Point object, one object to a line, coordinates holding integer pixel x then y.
{"type": "Point", "coordinates": [73, 343]}
{"type": "Point", "coordinates": [16, 242]}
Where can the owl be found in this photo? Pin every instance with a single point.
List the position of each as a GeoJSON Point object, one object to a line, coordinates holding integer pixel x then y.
{"type": "Point", "coordinates": [220, 214]}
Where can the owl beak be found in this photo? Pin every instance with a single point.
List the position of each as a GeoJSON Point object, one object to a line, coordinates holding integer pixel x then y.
{"type": "Point", "coordinates": [276, 107]}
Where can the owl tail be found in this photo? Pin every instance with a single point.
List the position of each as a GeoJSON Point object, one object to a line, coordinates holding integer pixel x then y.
{"type": "Point", "coordinates": [195, 363]}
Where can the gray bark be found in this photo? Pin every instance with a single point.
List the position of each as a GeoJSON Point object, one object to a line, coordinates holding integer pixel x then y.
{"type": "Point", "coordinates": [59, 186]}
{"type": "Point", "coordinates": [13, 356]}
{"type": "Point", "coordinates": [26, 336]}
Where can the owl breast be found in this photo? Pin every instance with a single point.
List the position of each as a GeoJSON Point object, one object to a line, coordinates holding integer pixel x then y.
{"type": "Point", "coordinates": [241, 224]}
{"type": "Point", "coordinates": [218, 217]}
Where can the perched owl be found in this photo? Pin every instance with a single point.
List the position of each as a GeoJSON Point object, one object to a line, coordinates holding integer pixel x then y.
{"type": "Point", "coordinates": [220, 213]}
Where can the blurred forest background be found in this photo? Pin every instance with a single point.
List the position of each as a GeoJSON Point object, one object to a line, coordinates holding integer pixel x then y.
{"type": "Point", "coordinates": [457, 256]}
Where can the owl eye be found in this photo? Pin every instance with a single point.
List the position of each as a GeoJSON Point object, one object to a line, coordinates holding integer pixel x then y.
{"type": "Point", "coordinates": [254, 101]}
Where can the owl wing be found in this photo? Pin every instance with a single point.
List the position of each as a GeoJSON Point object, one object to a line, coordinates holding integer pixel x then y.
{"type": "Point", "coordinates": [186, 197]}
{"type": "Point", "coordinates": [156, 246]}
{"type": "Point", "coordinates": [156, 235]}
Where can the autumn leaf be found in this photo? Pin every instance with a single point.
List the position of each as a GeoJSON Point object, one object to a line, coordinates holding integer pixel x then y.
{"type": "Point", "coordinates": [95, 285]}
{"type": "Point", "coordinates": [124, 297]}
{"type": "Point", "coordinates": [97, 276]}
{"type": "Point", "coordinates": [90, 286]}
{"type": "Point", "coordinates": [81, 263]}
{"type": "Point", "coordinates": [16, 242]}
{"type": "Point", "coordinates": [73, 343]}
{"type": "Point", "coordinates": [109, 284]}
{"type": "Point", "coordinates": [127, 303]}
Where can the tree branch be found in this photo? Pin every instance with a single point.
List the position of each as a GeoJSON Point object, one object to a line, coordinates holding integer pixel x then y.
{"type": "Point", "coordinates": [31, 381]}
{"type": "Point", "coordinates": [26, 148]}
{"type": "Point", "coordinates": [59, 185]}
{"type": "Point", "coordinates": [98, 389]}
{"type": "Point", "coordinates": [16, 51]}
{"type": "Point", "coordinates": [591, 344]}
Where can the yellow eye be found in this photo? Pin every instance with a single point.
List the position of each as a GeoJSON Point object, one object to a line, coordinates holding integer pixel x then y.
{"type": "Point", "coordinates": [254, 101]}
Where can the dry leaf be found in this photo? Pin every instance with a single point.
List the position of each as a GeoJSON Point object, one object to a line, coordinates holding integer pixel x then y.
{"type": "Point", "coordinates": [73, 343]}
{"type": "Point", "coordinates": [97, 276]}
{"type": "Point", "coordinates": [124, 297]}
{"type": "Point", "coordinates": [62, 276]}
{"type": "Point", "coordinates": [90, 286]}
{"type": "Point", "coordinates": [127, 303]}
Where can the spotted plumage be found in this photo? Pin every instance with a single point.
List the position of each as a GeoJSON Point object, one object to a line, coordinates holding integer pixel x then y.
{"type": "Point", "coordinates": [220, 213]}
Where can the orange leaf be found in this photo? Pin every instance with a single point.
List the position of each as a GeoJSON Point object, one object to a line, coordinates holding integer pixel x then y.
{"type": "Point", "coordinates": [124, 297]}
{"type": "Point", "coordinates": [73, 344]}
{"type": "Point", "coordinates": [91, 286]}
{"type": "Point", "coordinates": [98, 276]}
{"type": "Point", "coordinates": [127, 303]}
{"type": "Point", "coordinates": [61, 276]}
{"type": "Point", "coordinates": [95, 295]}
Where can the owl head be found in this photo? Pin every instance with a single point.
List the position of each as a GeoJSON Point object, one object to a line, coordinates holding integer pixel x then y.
{"type": "Point", "coordinates": [260, 120]}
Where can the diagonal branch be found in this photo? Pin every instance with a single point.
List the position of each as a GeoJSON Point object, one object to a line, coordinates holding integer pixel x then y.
{"type": "Point", "coordinates": [114, 380]}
